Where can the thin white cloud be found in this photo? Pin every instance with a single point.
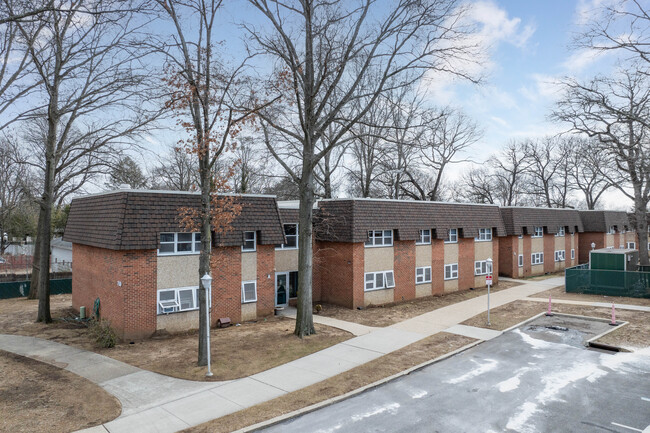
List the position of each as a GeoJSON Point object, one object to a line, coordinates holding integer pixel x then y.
{"type": "Point", "coordinates": [495, 25]}
{"type": "Point", "coordinates": [580, 60]}
{"type": "Point", "coordinates": [500, 121]}
{"type": "Point", "coordinates": [542, 88]}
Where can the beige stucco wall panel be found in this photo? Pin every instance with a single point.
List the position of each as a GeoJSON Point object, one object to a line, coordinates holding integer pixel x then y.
{"type": "Point", "coordinates": [451, 254]}
{"type": "Point", "coordinates": [451, 286]}
{"type": "Point", "coordinates": [286, 260]}
{"type": "Point", "coordinates": [178, 271]}
{"type": "Point", "coordinates": [378, 259]}
{"type": "Point", "coordinates": [537, 245]}
{"type": "Point", "coordinates": [423, 255]}
{"type": "Point", "coordinates": [378, 297]}
{"type": "Point", "coordinates": [422, 290]}
{"type": "Point", "coordinates": [248, 311]}
{"type": "Point", "coordinates": [178, 322]}
{"type": "Point", "coordinates": [482, 250]}
{"type": "Point", "coordinates": [249, 266]}
{"type": "Point", "coordinates": [538, 269]}
{"type": "Point", "coordinates": [609, 241]}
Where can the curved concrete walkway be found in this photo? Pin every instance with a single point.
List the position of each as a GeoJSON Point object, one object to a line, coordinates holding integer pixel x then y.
{"type": "Point", "coordinates": [155, 403]}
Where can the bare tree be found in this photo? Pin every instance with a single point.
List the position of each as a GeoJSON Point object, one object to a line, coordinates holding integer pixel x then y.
{"type": "Point", "coordinates": [615, 111]}
{"type": "Point", "coordinates": [322, 51]}
{"type": "Point", "coordinates": [126, 171]}
{"type": "Point", "coordinates": [621, 25]}
{"type": "Point", "coordinates": [176, 171]}
{"type": "Point", "coordinates": [509, 170]}
{"type": "Point", "coordinates": [13, 178]}
{"type": "Point", "coordinates": [87, 65]}
{"type": "Point", "coordinates": [591, 171]}
{"type": "Point", "coordinates": [478, 186]}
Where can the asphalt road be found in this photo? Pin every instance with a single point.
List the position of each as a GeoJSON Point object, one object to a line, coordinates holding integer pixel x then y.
{"type": "Point", "coordinates": [532, 379]}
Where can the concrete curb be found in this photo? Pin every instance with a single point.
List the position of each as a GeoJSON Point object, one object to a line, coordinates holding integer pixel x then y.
{"type": "Point", "coordinates": [330, 401]}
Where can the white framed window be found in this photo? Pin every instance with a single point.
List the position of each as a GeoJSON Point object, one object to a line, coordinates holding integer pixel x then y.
{"type": "Point", "coordinates": [179, 243]}
{"type": "Point", "coordinates": [612, 230]}
{"type": "Point", "coordinates": [379, 280]}
{"type": "Point", "coordinates": [250, 242]}
{"type": "Point", "coordinates": [423, 275]}
{"type": "Point", "coordinates": [520, 260]}
{"type": "Point", "coordinates": [560, 256]}
{"type": "Point", "coordinates": [520, 237]}
{"type": "Point", "coordinates": [538, 231]}
{"type": "Point", "coordinates": [424, 237]}
{"type": "Point", "coordinates": [291, 235]}
{"type": "Point", "coordinates": [536, 258]}
{"type": "Point", "coordinates": [573, 254]}
{"type": "Point", "coordinates": [631, 245]}
{"type": "Point", "coordinates": [481, 267]}
{"type": "Point", "coordinates": [248, 291]}
{"type": "Point", "coordinates": [621, 246]}
{"type": "Point", "coordinates": [560, 231]}
{"type": "Point", "coordinates": [610, 248]}
{"type": "Point", "coordinates": [451, 271]}
{"type": "Point", "coordinates": [178, 299]}
{"type": "Point", "coordinates": [484, 234]}
{"type": "Point", "coordinates": [452, 236]}
{"type": "Point", "coordinates": [379, 238]}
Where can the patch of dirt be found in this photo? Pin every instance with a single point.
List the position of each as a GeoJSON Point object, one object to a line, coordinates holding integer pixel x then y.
{"type": "Point", "coordinates": [389, 314]}
{"type": "Point", "coordinates": [237, 351]}
{"type": "Point", "coordinates": [559, 293]}
{"type": "Point", "coordinates": [388, 365]}
{"type": "Point", "coordinates": [633, 336]}
{"type": "Point", "coordinates": [40, 397]}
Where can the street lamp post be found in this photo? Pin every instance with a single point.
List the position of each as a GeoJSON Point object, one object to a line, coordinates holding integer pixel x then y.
{"type": "Point", "coordinates": [206, 281]}
{"type": "Point", "coordinates": [489, 283]}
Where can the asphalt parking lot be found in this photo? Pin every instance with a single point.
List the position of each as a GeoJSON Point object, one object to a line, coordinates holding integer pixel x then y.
{"type": "Point", "coordinates": [531, 379]}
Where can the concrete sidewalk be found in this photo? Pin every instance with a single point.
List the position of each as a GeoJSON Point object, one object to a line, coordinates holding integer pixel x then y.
{"type": "Point", "coordinates": [593, 304]}
{"type": "Point", "coordinates": [155, 403]}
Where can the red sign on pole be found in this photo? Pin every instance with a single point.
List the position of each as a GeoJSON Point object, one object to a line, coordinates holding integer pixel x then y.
{"type": "Point", "coordinates": [488, 279]}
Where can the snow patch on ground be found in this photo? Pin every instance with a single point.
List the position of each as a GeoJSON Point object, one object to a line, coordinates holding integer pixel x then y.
{"type": "Point", "coordinates": [489, 365]}
{"type": "Point", "coordinates": [513, 382]}
{"type": "Point", "coordinates": [418, 394]}
{"type": "Point", "coordinates": [519, 422]}
{"type": "Point", "coordinates": [391, 407]}
{"type": "Point", "coordinates": [622, 361]}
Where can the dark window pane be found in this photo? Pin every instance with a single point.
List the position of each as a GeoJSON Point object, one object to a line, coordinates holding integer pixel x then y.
{"type": "Point", "coordinates": [166, 248]}
{"type": "Point", "coordinates": [167, 237]}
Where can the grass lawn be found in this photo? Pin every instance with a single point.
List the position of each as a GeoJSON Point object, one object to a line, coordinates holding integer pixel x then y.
{"type": "Point", "coordinates": [388, 365]}
{"type": "Point", "coordinates": [559, 293]}
{"type": "Point", "coordinates": [392, 313]}
{"type": "Point", "coordinates": [237, 351]}
{"type": "Point", "coordinates": [39, 397]}
{"type": "Point", "coordinates": [633, 336]}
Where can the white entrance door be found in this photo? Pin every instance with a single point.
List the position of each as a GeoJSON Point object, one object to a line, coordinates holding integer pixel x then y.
{"type": "Point", "coordinates": [281, 289]}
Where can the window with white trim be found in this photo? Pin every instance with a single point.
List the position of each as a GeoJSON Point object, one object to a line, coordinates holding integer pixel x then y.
{"type": "Point", "coordinates": [452, 236]}
{"type": "Point", "coordinates": [379, 280]}
{"type": "Point", "coordinates": [536, 258]}
{"type": "Point", "coordinates": [379, 238]}
{"type": "Point", "coordinates": [520, 260]}
{"type": "Point", "coordinates": [481, 267]}
{"type": "Point", "coordinates": [573, 254]}
{"type": "Point", "coordinates": [621, 246]}
{"type": "Point", "coordinates": [179, 243]}
{"type": "Point", "coordinates": [484, 234]}
{"type": "Point", "coordinates": [538, 232]}
{"type": "Point", "coordinates": [250, 242]}
{"type": "Point", "coordinates": [560, 256]}
{"type": "Point", "coordinates": [424, 237]}
{"type": "Point", "coordinates": [612, 230]}
{"type": "Point", "coordinates": [291, 235]}
{"type": "Point", "coordinates": [451, 271]}
{"type": "Point", "coordinates": [560, 231]}
{"type": "Point", "coordinates": [423, 275]}
{"type": "Point", "coordinates": [177, 299]}
{"type": "Point", "coordinates": [248, 291]}
{"type": "Point", "coordinates": [631, 245]}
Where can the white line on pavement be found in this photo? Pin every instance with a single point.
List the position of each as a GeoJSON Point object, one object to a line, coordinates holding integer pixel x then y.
{"type": "Point", "coordinates": [627, 427]}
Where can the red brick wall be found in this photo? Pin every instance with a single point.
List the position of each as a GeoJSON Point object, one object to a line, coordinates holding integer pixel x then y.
{"type": "Point", "coordinates": [549, 252]}
{"type": "Point", "coordinates": [404, 268]}
{"type": "Point", "coordinates": [507, 250]}
{"type": "Point", "coordinates": [337, 263]}
{"type": "Point", "coordinates": [131, 308]}
{"type": "Point", "coordinates": [567, 250]}
{"type": "Point", "coordinates": [496, 259]}
{"type": "Point", "coordinates": [617, 240]}
{"type": "Point", "coordinates": [437, 267]}
{"type": "Point", "coordinates": [358, 280]}
{"type": "Point", "coordinates": [226, 283]}
{"type": "Point", "coordinates": [265, 285]}
{"type": "Point", "coordinates": [576, 246]}
{"type": "Point", "coordinates": [465, 263]}
{"type": "Point", "coordinates": [585, 244]}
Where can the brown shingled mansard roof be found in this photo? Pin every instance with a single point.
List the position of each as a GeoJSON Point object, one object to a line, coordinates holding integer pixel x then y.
{"type": "Point", "coordinates": [517, 218]}
{"type": "Point", "coordinates": [349, 220]}
{"type": "Point", "coordinates": [602, 220]}
{"type": "Point", "coordinates": [134, 219]}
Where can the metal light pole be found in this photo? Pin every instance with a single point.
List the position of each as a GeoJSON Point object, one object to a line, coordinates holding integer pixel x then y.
{"type": "Point", "coordinates": [489, 283]}
{"type": "Point", "coordinates": [206, 281]}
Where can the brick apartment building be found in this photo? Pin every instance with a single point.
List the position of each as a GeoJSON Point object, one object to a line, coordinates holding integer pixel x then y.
{"type": "Point", "coordinates": [130, 252]}
{"type": "Point", "coordinates": [605, 229]}
{"type": "Point", "coordinates": [538, 241]}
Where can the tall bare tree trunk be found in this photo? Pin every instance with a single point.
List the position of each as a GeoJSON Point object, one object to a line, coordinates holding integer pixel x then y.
{"type": "Point", "coordinates": [36, 265]}
{"type": "Point", "coordinates": [204, 257]}
{"type": "Point", "coordinates": [304, 318]}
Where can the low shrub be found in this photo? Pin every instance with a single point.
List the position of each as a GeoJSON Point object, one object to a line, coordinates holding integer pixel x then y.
{"type": "Point", "coordinates": [103, 334]}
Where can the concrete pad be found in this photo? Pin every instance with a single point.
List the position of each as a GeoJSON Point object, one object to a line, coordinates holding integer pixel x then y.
{"type": "Point", "coordinates": [98, 368]}
{"type": "Point", "coordinates": [155, 420]}
{"type": "Point", "coordinates": [96, 429]}
{"type": "Point", "coordinates": [247, 392]}
{"type": "Point", "coordinates": [351, 327]}
{"type": "Point", "coordinates": [474, 332]}
{"type": "Point", "coordinates": [419, 325]}
{"type": "Point", "coordinates": [144, 389]}
{"type": "Point", "coordinates": [355, 355]}
{"type": "Point", "coordinates": [384, 340]}
{"type": "Point", "coordinates": [201, 407]}
{"type": "Point", "coordinates": [288, 377]}
{"type": "Point", "coordinates": [324, 364]}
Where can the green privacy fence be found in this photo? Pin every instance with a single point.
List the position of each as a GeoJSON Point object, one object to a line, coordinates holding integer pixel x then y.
{"type": "Point", "coordinates": [17, 289]}
{"type": "Point", "coordinates": [581, 279]}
